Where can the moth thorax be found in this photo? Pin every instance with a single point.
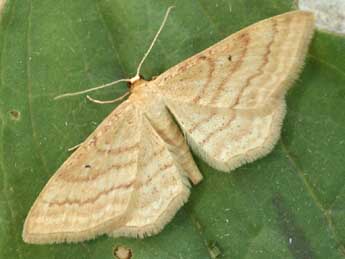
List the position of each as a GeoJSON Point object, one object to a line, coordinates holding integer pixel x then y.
{"type": "Point", "coordinates": [136, 84]}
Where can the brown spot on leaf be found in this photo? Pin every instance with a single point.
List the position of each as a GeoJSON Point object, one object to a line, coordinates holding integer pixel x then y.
{"type": "Point", "coordinates": [15, 115]}
{"type": "Point", "coordinates": [213, 250]}
{"type": "Point", "coordinates": [122, 252]}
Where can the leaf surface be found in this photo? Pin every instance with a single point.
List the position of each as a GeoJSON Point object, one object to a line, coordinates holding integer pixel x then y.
{"type": "Point", "coordinates": [289, 204]}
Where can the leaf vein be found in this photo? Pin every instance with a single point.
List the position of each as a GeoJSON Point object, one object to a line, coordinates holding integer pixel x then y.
{"type": "Point", "coordinates": [29, 88]}
{"type": "Point", "coordinates": [326, 213]}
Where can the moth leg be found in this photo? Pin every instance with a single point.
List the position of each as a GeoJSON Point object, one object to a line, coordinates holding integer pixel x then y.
{"type": "Point", "coordinates": [74, 147]}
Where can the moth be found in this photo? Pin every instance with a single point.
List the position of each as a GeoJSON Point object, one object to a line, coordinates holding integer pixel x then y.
{"type": "Point", "coordinates": [133, 173]}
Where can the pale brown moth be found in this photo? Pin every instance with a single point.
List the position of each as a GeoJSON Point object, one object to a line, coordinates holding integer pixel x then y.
{"type": "Point", "coordinates": [132, 174]}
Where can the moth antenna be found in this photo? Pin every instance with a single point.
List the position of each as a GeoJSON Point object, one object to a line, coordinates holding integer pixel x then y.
{"type": "Point", "coordinates": [92, 89]}
{"type": "Point", "coordinates": [130, 80]}
{"type": "Point", "coordinates": [154, 40]}
{"type": "Point", "coordinates": [108, 101]}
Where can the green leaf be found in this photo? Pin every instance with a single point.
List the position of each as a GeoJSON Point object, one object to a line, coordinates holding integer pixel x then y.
{"type": "Point", "coordinates": [289, 204]}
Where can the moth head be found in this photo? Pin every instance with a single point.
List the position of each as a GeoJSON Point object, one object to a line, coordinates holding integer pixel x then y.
{"type": "Point", "coordinates": [136, 81]}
